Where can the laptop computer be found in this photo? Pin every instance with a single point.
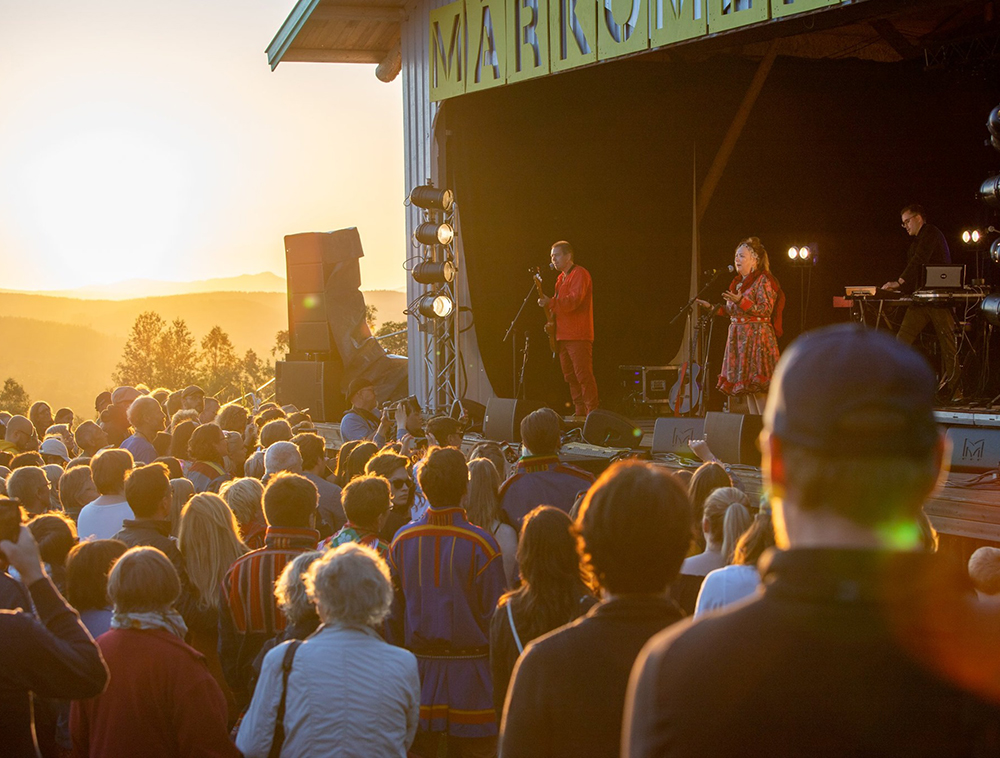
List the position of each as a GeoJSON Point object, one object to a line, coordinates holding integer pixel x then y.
{"type": "Point", "coordinates": [944, 276]}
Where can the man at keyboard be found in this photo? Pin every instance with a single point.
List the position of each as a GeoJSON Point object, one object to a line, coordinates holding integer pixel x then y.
{"type": "Point", "coordinates": [928, 246]}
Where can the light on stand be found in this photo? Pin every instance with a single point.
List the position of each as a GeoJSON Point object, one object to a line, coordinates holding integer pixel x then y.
{"type": "Point", "coordinates": [434, 272]}
{"type": "Point", "coordinates": [793, 253]}
{"type": "Point", "coordinates": [429, 197]}
{"type": "Point", "coordinates": [429, 233]}
{"type": "Point", "coordinates": [805, 253]}
{"type": "Point", "coordinates": [971, 236]}
{"type": "Point", "coordinates": [435, 305]}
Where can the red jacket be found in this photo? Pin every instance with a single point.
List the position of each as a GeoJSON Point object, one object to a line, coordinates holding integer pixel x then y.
{"type": "Point", "coordinates": [573, 305]}
{"type": "Point", "coordinates": [161, 702]}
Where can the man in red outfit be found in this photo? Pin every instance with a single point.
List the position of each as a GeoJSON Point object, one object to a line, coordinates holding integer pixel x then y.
{"type": "Point", "coordinates": [573, 306]}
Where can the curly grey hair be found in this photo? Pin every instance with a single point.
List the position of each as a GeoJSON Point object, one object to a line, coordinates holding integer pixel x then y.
{"type": "Point", "coordinates": [350, 585]}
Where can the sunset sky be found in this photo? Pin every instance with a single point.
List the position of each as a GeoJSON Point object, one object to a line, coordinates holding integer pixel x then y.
{"type": "Point", "coordinates": [151, 140]}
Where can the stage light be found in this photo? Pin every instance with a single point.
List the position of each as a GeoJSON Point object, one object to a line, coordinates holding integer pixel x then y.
{"type": "Point", "coordinates": [971, 236]}
{"type": "Point", "coordinates": [993, 124]}
{"type": "Point", "coordinates": [434, 272]}
{"type": "Point", "coordinates": [966, 236]}
{"type": "Point", "coordinates": [430, 233]}
{"type": "Point", "coordinates": [990, 308]}
{"type": "Point", "coordinates": [431, 198]}
{"type": "Point", "coordinates": [989, 192]}
{"type": "Point", "coordinates": [793, 253]}
{"type": "Point", "coordinates": [435, 305]}
{"type": "Point", "coordinates": [995, 250]}
{"type": "Point", "coordinates": [805, 252]}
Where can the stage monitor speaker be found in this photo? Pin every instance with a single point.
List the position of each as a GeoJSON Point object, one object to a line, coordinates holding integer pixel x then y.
{"type": "Point", "coordinates": [733, 437]}
{"type": "Point", "coordinates": [310, 384]}
{"type": "Point", "coordinates": [502, 421]}
{"type": "Point", "coordinates": [672, 435]}
{"type": "Point", "coordinates": [973, 449]}
{"type": "Point", "coordinates": [609, 429]}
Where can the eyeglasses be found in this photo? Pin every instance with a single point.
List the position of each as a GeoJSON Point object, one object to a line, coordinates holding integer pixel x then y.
{"type": "Point", "coordinates": [907, 221]}
{"type": "Point", "coordinates": [398, 484]}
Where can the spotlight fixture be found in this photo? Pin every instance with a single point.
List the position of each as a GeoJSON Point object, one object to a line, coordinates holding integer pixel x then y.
{"type": "Point", "coordinates": [429, 197]}
{"type": "Point", "coordinates": [990, 308]}
{"type": "Point", "coordinates": [429, 233]}
{"type": "Point", "coordinates": [805, 253]}
{"type": "Point", "coordinates": [434, 272]}
{"type": "Point", "coordinates": [435, 305]}
{"type": "Point", "coordinates": [989, 192]}
{"type": "Point", "coordinates": [971, 236]}
{"type": "Point", "coordinates": [802, 255]}
{"type": "Point", "coordinates": [793, 253]}
{"type": "Point", "coordinates": [993, 124]}
{"type": "Point", "coordinates": [995, 250]}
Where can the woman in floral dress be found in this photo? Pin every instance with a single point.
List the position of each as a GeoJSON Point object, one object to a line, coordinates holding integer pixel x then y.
{"type": "Point", "coordinates": [754, 302]}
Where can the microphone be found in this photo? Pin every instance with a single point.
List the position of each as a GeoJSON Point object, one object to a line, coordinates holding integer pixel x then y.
{"type": "Point", "coordinates": [552, 265]}
{"type": "Point", "coordinates": [713, 271]}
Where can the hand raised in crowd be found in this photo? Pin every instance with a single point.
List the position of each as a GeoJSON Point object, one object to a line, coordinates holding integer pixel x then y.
{"type": "Point", "coordinates": [23, 556]}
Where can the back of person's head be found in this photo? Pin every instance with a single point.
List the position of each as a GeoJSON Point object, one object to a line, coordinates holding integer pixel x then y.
{"type": "Point", "coordinates": [492, 452]}
{"type": "Point", "coordinates": [64, 416]}
{"type": "Point", "coordinates": [84, 436]}
{"type": "Point", "coordinates": [444, 477]}
{"type": "Point", "coordinates": [173, 466]}
{"type": "Point", "coordinates": [143, 580]}
{"type": "Point", "coordinates": [179, 417]}
{"type": "Point", "coordinates": [351, 585]}
{"type": "Point", "coordinates": [290, 501]}
{"type": "Point", "coordinates": [358, 459]}
{"type": "Point", "coordinates": [540, 432]}
{"type": "Point", "coordinates": [76, 489]}
{"type": "Point", "coordinates": [180, 438]}
{"type": "Point", "coordinates": [268, 414]}
{"type": "Point", "coordinates": [984, 570]}
{"type": "Point", "coordinates": [24, 483]}
{"type": "Point", "coordinates": [482, 506]}
{"type": "Point", "coordinates": [233, 417]}
{"type": "Point", "coordinates": [343, 455]}
{"type": "Point", "coordinates": [636, 526]}
{"type": "Point", "coordinates": [109, 469]}
{"type": "Point", "coordinates": [209, 543]}
{"type": "Point", "coordinates": [29, 458]}
{"type": "Point", "coordinates": [312, 447]}
{"type": "Point", "coordinates": [245, 498]}
{"type": "Point", "coordinates": [87, 567]}
{"type": "Point", "coordinates": [143, 410]}
{"type": "Point", "coordinates": [366, 499]}
{"type": "Point", "coordinates": [727, 511]}
{"type": "Point", "coordinates": [385, 464]}
{"type": "Point", "coordinates": [80, 460]}
{"type": "Point", "coordinates": [204, 443]}
{"type": "Point", "coordinates": [850, 432]}
{"type": "Point", "coordinates": [278, 430]}
{"type": "Point", "coordinates": [146, 489]}
{"type": "Point", "coordinates": [441, 428]}
{"type": "Point", "coordinates": [55, 534]}
{"type": "Point", "coordinates": [253, 466]}
{"type": "Point", "coordinates": [181, 490]}
{"type": "Point", "coordinates": [174, 403]}
{"type": "Point", "coordinates": [282, 456]}
{"type": "Point", "coordinates": [290, 589]}
{"type": "Point", "coordinates": [756, 540]}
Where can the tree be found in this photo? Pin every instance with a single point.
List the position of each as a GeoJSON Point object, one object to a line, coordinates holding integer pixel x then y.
{"type": "Point", "coordinates": [13, 398]}
{"type": "Point", "coordinates": [176, 357]}
{"type": "Point", "coordinates": [219, 364]}
{"type": "Point", "coordinates": [397, 343]}
{"type": "Point", "coordinates": [370, 311]}
{"type": "Point", "coordinates": [138, 363]}
{"type": "Point", "coordinates": [253, 371]}
{"type": "Point", "coordinates": [281, 344]}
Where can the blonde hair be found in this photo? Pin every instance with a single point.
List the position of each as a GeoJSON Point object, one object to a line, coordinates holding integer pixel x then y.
{"type": "Point", "coordinates": [181, 490]}
{"type": "Point", "coordinates": [757, 248]}
{"type": "Point", "coordinates": [245, 498]}
{"type": "Point", "coordinates": [210, 544]}
{"type": "Point", "coordinates": [143, 580]}
{"type": "Point", "coordinates": [984, 570]}
{"type": "Point", "coordinates": [728, 514]}
{"type": "Point", "coordinates": [483, 503]}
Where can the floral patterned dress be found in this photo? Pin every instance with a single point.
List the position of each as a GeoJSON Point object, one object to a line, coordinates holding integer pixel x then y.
{"type": "Point", "coordinates": [752, 346]}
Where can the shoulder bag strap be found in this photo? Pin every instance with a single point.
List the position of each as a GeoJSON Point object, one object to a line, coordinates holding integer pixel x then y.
{"type": "Point", "coordinates": [513, 629]}
{"type": "Point", "coordinates": [279, 720]}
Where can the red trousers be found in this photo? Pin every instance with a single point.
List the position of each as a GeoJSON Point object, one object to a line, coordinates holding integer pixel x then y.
{"type": "Point", "coordinates": [577, 360]}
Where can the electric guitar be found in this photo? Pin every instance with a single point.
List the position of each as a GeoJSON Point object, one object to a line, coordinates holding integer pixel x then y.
{"type": "Point", "coordinates": [550, 317]}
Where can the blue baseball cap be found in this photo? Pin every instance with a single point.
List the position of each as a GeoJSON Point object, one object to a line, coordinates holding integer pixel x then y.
{"type": "Point", "coordinates": [851, 391]}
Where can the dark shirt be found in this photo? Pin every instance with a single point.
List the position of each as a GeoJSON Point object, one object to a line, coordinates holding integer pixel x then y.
{"type": "Point", "coordinates": [929, 246]}
{"type": "Point", "coordinates": [54, 658]}
{"type": "Point", "coordinates": [149, 532]}
{"type": "Point", "coordinates": [331, 510]}
{"type": "Point", "coordinates": [844, 653]}
{"type": "Point", "coordinates": [568, 691]}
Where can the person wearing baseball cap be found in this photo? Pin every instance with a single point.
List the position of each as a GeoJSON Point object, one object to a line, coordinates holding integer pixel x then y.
{"type": "Point", "coordinates": [53, 450]}
{"type": "Point", "coordinates": [360, 422]}
{"type": "Point", "coordinates": [861, 641]}
{"type": "Point", "coordinates": [193, 398]}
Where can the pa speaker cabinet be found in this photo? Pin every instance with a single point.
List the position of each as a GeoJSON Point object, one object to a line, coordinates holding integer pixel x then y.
{"type": "Point", "coordinates": [502, 420]}
{"type": "Point", "coordinates": [733, 437]}
{"type": "Point", "coordinates": [310, 384]}
{"type": "Point", "coordinates": [973, 449]}
{"type": "Point", "coordinates": [610, 429]}
{"type": "Point", "coordinates": [672, 435]}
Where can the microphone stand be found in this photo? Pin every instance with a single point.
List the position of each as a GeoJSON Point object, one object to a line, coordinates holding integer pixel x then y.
{"type": "Point", "coordinates": [686, 309]}
{"type": "Point", "coordinates": [519, 380]}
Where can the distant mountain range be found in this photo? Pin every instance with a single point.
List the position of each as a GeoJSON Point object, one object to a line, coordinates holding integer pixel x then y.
{"type": "Point", "coordinates": [265, 281]}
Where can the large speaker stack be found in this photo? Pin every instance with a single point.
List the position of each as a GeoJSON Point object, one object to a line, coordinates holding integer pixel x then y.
{"type": "Point", "coordinates": [330, 343]}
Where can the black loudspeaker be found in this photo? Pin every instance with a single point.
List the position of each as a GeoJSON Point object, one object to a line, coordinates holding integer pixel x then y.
{"type": "Point", "coordinates": [973, 449]}
{"type": "Point", "coordinates": [476, 412]}
{"type": "Point", "coordinates": [733, 437]}
{"type": "Point", "coordinates": [310, 384]}
{"type": "Point", "coordinates": [672, 435]}
{"type": "Point", "coordinates": [609, 429]}
{"type": "Point", "coordinates": [502, 421]}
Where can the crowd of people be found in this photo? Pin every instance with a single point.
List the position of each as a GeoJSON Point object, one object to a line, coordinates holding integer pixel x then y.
{"type": "Point", "coordinates": [184, 578]}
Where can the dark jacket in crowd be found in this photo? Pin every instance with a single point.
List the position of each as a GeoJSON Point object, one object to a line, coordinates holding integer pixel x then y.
{"type": "Point", "coordinates": [150, 532]}
{"type": "Point", "coordinates": [844, 653]}
{"type": "Point", "coordinates": [568, 691]}
{"type": "Point", "coordinates": [52, 658]}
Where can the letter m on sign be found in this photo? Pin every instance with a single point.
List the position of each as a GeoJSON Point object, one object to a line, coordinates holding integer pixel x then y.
{"type": "Point", "coordinates": [447, 51]}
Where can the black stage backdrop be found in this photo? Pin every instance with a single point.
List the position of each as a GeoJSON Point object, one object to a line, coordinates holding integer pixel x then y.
{"type": "Point", "coordinates": [603, 157]}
